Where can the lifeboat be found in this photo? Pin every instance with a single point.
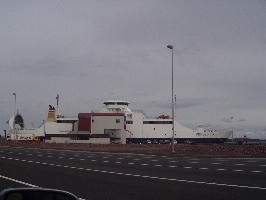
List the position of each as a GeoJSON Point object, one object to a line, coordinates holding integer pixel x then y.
{"type": "Point", "coordinates": [164, 117]}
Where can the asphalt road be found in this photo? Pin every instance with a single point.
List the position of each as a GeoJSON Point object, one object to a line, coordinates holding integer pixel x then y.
{"type": "Point", "coordinates": [91, 175]}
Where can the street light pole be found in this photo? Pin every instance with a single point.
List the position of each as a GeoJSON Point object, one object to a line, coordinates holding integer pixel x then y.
{"type": "Point", "coordinates": [14, 124]}
{"type": "Point", "coordinates": [44, 131]}
{"type": "Point", "coordinates": [173, 114]}
{"type": "Point", "coordinates": [15, 102]}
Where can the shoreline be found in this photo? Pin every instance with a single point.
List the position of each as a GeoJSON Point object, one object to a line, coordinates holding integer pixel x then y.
{"type": "Point", "coordinates": [197, 149]}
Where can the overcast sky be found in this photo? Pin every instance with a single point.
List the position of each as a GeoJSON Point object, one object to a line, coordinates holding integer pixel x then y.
{"type": "Point", "coordinates": [92, 51]}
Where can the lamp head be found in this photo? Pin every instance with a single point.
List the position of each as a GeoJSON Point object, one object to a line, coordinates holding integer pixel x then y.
{"type": "Point", "coordinates": [170, 46]}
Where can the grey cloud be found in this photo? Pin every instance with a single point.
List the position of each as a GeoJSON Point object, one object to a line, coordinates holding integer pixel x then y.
{"type": "Point", "coordinates": [88, 49]}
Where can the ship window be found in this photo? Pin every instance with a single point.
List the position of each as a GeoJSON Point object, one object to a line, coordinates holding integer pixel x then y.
{"type": "Point", "coordinates": [117, 121]}
{"type": "Point", "coordinates": [122, 103]}
{"type": "Point", "coordinates": [153, 128]}
{"type": "Point", "coordinates": [157, 122]}
{"type": "Point", "coordinates": [66, 121]}
{"type": "Point", "coordinates": [129, 122]}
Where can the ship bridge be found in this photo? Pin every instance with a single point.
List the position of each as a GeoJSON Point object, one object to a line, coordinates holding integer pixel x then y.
{"type": "Point", "coordinates": [117, 106]}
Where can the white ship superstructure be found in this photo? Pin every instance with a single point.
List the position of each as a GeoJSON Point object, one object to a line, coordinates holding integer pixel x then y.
{"type": "Point", "coordinates": [140, 128]}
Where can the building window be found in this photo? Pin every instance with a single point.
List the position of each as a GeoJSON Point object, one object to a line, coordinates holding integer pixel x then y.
{"type": "Point", "coordinates": [117, 121]}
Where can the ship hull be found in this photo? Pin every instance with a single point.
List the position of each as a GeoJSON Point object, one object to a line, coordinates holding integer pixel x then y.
{"type": "Point", "coordinates": [178, 140]}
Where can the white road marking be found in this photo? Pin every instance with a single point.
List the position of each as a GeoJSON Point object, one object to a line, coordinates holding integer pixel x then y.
{"type": "Point", "coordinates": [131, 163]}
{"type": "Point", "coordinates": [238, 170]}
{"type": "Point", "coordinates": [118, 162]}
{"type": "Point", "coordinates": [187, 167]}
{"type": "Point", "coordinates": [204, 168]}
{"type": "Point", "coordinates": [157, 165]}
{"type": "Point", "coordinates": [17, 181]}
{"type": "Point", "coordinates": [221, 169]}
{"type": "Point", "coordinates": [159, 178]}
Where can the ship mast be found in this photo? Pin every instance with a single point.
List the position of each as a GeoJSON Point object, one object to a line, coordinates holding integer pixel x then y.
{"type": "Point", "coordinates": [57, 102]}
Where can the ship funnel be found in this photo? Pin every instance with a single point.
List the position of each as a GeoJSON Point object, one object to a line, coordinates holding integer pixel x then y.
{"type": "Point", "coordinates": [51, 114]}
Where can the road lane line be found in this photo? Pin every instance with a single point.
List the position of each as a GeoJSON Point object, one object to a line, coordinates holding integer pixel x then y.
{"type": "Point", "coordinates": [160, 178]}
{"type": "Point", "coordinates": [221, 169]}
{"type": "Point", "coordinates": [17, 181]}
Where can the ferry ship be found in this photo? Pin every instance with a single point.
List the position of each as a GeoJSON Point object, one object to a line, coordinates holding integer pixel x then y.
{"type": "Point", "coordinates": [117, 122]}
{"type": "Point", "coordinates": [140, 128]}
